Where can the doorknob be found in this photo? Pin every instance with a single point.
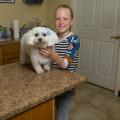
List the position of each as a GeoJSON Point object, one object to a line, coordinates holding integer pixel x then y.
{"type": "Point", "coordinates": [115, 37]}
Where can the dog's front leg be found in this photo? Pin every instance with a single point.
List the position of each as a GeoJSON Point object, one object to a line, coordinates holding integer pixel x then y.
{"type": "Point", "coordinates": [37, 66]}
{"type": "Point", "coordinates": [46, 66]}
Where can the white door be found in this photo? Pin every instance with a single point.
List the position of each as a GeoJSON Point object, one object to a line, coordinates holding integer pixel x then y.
{"type": "Point", "coordinates": [96, 22]}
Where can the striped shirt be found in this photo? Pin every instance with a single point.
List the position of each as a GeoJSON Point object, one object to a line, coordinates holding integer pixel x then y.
{"type": "Point", "coordinates": [68, 48]}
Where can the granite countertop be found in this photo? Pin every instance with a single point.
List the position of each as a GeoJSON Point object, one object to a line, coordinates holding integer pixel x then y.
{"type": "Point", "coordinates": [21, 88]}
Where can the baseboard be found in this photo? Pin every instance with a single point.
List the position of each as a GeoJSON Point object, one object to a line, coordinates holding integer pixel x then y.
{"type": "Point", "coordinates": [119, 93]}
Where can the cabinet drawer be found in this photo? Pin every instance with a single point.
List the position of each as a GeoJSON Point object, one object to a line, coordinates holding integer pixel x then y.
{"type": "Point", "coordinates": [10, 58]}
{"type": "Point", "coordinates": [9, 49]}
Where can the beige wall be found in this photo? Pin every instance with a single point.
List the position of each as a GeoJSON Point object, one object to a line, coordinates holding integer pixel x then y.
{"type": "Point", "coordinates": [51, 5]}
{"type": "Point", "coordinates": [24, 12]}
{"type": "Point", "coordinates": [21, 11]}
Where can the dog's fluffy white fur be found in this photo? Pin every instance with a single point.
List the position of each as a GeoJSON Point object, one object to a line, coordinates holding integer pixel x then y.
{"type": "Point", "coordinates": [31, 42]}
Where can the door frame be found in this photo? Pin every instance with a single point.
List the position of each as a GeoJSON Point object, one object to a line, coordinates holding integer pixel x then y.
{"type": "Point", "coordinates": [117, 87]}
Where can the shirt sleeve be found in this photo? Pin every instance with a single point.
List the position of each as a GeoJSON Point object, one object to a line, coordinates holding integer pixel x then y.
{"type": "Point", "coordinates": [73, 48]}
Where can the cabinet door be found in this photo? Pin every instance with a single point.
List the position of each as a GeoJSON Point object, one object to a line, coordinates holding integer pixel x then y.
{"type": "Point", "coordinates": [44, 111]}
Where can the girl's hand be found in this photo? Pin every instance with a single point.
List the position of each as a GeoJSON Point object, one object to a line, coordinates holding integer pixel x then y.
{"type": "Point", "coordinates": [49, 53]}
{"type": "Point", "coordinates": [46, 52]}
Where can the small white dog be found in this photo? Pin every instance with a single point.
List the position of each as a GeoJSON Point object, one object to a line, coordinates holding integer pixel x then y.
{"type": "Point", "coordinates": [31, 42]}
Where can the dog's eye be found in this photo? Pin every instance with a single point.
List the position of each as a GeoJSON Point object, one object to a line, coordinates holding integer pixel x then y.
{"type": "Point", "coordinates": [37, 34]}
{"type": "Point", "coordinates": [44, 34]}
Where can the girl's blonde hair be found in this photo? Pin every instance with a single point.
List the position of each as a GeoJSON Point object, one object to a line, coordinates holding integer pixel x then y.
{"type": "Point", "coordinates": [67, 7]}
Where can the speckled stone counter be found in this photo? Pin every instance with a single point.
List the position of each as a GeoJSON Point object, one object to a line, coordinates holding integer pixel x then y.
{"type": "Point", "coordinates": [21, 88]}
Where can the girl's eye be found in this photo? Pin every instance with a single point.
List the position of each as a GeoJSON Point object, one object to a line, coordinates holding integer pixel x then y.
{"type": "Point", "coordinates": [57, 18]}
{"type": "Point", "coordinates": [61, 19]}
{"type": "Point", "coordinates": [65, 18]}
{"type": "Point", "coordinates": [37, 34]}
{"type": "Point", "coordinates": [44, 34]}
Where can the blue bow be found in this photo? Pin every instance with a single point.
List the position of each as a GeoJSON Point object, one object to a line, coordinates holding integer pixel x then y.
{"type": "Point", "coordinates": [49, 32]}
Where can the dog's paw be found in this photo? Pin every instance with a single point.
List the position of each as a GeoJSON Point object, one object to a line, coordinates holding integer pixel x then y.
{"type": "Point", "coordinates": [39, 71]}
{"type": "Point", "coordinates": [46, 67]}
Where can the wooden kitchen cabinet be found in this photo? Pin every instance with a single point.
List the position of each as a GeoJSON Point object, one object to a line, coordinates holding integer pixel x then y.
{"type": "Point", "coordinates": [9, 53]}
{"type": "Point", "coordinates": [44, 111]}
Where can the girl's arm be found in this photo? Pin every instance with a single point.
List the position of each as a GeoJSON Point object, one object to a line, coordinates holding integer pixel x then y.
{"type": "Point", "coordinates": [70, 54]}
{"type": "Point", "coordinates": [49, 52]}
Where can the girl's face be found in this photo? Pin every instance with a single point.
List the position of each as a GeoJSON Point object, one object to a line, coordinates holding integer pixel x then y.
{"type": "Point", "coordinates": [63, 20]}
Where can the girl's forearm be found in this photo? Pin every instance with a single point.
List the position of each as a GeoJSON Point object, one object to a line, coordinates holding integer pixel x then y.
{"type": "Point", "coordinates": [56, 58]}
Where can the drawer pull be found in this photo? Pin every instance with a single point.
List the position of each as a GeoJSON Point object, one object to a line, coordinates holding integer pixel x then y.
{"type": "Point", "coordinates": [11, 58]}
{"type": "Point", "coordinates": [117, 37]}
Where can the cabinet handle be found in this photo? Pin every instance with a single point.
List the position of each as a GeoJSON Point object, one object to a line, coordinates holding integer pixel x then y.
{"type": "Point", "coordinates": [10, 59]}
{"type": "Point", "coordinates": [117, 37]}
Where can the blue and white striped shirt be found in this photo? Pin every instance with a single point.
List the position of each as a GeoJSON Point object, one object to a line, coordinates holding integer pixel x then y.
{"type": "Point", "coordinates": [68, 48]}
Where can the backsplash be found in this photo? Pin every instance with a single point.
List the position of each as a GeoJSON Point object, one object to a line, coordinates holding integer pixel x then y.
{"type": "Point", "coordinates": [3, 32]}
{"type": "Point", "coordinates": [15, 30]}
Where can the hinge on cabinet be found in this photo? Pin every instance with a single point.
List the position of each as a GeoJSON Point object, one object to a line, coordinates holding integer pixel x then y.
{"type": "Point", "coordinates": [119, 93]}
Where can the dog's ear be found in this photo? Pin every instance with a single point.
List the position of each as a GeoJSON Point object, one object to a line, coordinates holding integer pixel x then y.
{"type": "Point", "coordinates": [28, 38]}
{"type": "Point", "coordinates": [53, 38]}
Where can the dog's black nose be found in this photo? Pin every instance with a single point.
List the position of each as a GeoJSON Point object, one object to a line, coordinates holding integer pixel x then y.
{"type": "Point", "coordinates": [40, 39]}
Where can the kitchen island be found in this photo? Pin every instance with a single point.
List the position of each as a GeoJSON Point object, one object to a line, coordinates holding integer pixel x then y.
{"type": "Point", "coordinates": [25, 94]}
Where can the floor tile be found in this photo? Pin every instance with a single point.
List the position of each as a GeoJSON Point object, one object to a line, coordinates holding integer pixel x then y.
{"type": "Point", "coordinates": [95, 103]}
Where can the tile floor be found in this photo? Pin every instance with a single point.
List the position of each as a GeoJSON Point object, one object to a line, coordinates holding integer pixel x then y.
{"type": "Point", "coordinates": [95, 103]}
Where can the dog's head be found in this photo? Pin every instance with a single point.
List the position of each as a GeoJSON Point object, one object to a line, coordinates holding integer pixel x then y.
{"type": "Point", "coordinates": [41, 37]}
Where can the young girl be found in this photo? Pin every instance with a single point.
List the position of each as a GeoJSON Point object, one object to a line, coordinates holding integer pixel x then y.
{"type": "Point", "coordinates": [65, 54]}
